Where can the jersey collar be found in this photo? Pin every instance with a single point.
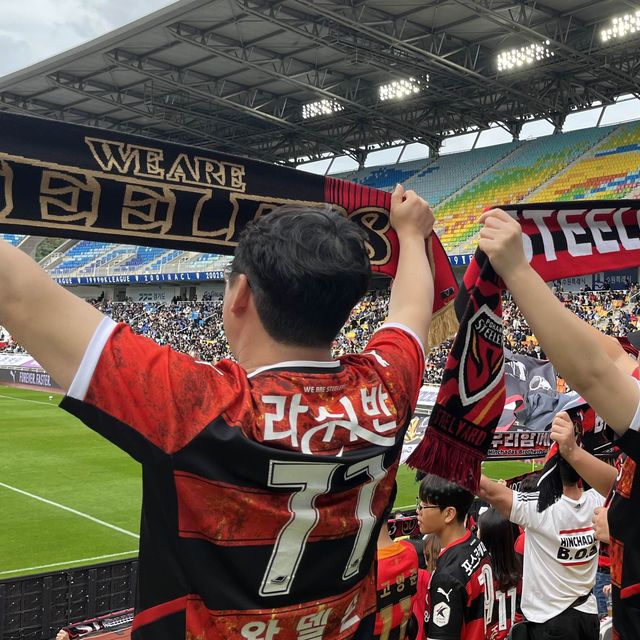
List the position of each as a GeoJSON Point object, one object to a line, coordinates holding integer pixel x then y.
{"type": "Point", "coordinates": [312, 366]}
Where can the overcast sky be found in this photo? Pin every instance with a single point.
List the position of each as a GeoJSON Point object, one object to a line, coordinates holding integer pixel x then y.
{"type": "Point", "coordinates": [33, 30]}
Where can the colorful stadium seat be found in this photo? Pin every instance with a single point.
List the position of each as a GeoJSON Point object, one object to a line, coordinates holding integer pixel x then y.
{"type": "Point", "coordinates": [610, 171]}
{"type": "Point", "coordinates": [510, 181]}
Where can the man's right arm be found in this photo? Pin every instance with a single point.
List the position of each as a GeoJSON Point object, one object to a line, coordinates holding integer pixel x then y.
{"type": "Point", "coordinates": [573, 347]}
{"type": "Point", "coordinates": [498, 495]}
{"type": "Point", "coordinates": [51, 323]}
{"type": "Point", "coordinates": [597, 473]}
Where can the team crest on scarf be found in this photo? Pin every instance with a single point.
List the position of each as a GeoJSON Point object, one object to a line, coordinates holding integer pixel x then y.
{"type": "Point", "coordinates": [482, 360]}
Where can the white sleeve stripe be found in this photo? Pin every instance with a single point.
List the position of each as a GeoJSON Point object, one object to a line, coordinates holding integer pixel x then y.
{"type": "Point", "coordinates": [398, 325]}
{"type": "Point", "coordinates": [635, 423]}
{"type": "Point", "coordinates": [81, 380]}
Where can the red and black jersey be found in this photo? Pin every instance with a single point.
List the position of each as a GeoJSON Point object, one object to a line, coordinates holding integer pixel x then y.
{"type": "Point", "coordinates": [624, 530]}
{"type": "Point", "coordinates": [396, 587]}
{"type": "Point", "coordinates": [262, 493]}
{"type": "Point", "coordinates": [505, 611]}
{"type": "Point", "coordinates": [458, 607]}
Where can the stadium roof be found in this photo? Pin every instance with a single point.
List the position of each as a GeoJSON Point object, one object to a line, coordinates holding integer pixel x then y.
{"type": "Point", "coordinates": [233, 75]}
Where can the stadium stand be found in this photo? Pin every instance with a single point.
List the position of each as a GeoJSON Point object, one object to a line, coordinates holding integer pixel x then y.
{"type": "Point", "coordinates": [100, 258]}
{"type": "Point", "coordinates": [450, 173]}
{"type": "Point", "coordinates": [611, 170]}
{"type": "Point", "coordinates": [508, 182]}
{"type": "Point", "coordinates": [386, 178]}
{"type": "Point", "coordinates": [85, 255]}
{"type": "Point", "coordinates": [141, 257]}
{"type": "Point", "coordinates": [437, 178]}
{"type": "Point", "coordinates": [12, 238]}
{"type": "Point", "coordinates": [196, 327]}
{"type": "Point", "coordinates": [595, 163]}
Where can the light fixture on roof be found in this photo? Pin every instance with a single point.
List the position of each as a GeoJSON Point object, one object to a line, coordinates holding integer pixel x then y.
{"type": "Point", "coordinates": [621, 26]}
{"type": "Point", "coordinates": [320, 108]}
{"type": "Point", "coordinates": [401, 88]}
{"type": "Point", "coordinates": [523, 56]}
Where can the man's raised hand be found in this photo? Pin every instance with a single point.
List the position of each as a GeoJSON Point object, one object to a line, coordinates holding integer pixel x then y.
{"type": "Point", "coordinates": [410, 214]}
{"type": "Point", "coordinates": [501, 240]}
{"type": "Point", "coordinates": [563, 432]}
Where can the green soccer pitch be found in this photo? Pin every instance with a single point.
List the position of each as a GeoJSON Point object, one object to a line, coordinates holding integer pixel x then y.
{"type": "Point", "coordinates": [70, 498]}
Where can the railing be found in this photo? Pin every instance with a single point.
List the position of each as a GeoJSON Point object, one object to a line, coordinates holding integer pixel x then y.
{"type": "Point", "coordinates": [36, 607]}
{"type": "Point", "coordinates": [169, 267]}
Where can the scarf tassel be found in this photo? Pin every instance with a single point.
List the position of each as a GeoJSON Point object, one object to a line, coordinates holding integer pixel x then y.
{"type": "Point", "coordinates": [437, 450]}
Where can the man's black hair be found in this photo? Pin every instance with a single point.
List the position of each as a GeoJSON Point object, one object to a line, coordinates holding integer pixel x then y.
{"type": "Point", "coordinates": [441, 492]}
{"type": "Point", "coordinates": [307, 268]}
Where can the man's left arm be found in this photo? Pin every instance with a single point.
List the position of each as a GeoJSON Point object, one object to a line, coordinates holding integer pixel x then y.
{"type": "Point", "coordinates": [600, 475]}
{"type": "Point", "coordinates": [51, 323]}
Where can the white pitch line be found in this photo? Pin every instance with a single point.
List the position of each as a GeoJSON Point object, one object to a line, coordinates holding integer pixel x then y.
{"type": "Point", "coordinates": [70, 510]}
{"type": "Point", "coordinates": [26, 400]}
{"type": "Point", "coordinates": [60, 564]}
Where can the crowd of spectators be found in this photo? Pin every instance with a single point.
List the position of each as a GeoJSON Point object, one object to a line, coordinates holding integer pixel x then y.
{"type": "Point", "coordinates": [8, 344]}
{"type": "Point", "coordinates": [191, 327]}
{"type": "Point", "coordinates": [615, 313]}
{"type": "Point", "coordinates": [195, 327]}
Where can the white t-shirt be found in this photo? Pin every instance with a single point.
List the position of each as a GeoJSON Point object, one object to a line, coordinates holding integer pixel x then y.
{"type": "Point", "coordinates": [560, 553]}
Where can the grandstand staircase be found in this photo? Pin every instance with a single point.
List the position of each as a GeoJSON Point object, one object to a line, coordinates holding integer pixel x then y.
{"type": "Point", "coordinates": [156, 263]}
{"type": "Point", "coordinates": [187, 256]}
{"type": "Point", "coordinates": [52, 260]}
{"type": "Point", "coordinates": [589, 153]}
{"type": "Point", "coordinates": [29, 245]}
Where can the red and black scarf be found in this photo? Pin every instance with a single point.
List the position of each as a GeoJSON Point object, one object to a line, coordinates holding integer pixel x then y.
{"type": "Point", "coordinates": [561, 240]}
{"type": "Point", "coordinates": [65, 180]}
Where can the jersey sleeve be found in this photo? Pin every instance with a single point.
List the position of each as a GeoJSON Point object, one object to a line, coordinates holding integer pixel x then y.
{"type": "Point", "coordinates": [398, 356]}
{"type": "Point", "coordinates": [635, 422]}
{"type": "Point", "coordinates": [524, 509]}
{"type": "Point", "coordinates": [447, 601]}
{"type": "Point", "coordinates": [147, 399]}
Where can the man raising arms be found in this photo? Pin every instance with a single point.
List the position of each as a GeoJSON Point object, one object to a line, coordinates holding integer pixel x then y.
{"type": "Point", "coordinates": [264, 479]}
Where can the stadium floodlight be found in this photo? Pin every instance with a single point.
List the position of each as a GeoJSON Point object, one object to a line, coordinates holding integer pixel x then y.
{"type": "Point", "coordinates": [320, 108]}
{"type": "Point", "coordinates": [521, 56]}
{"type": "Point", "coordinates": [621, 26]}
{"type": "Point", "coordinates": [400, 88]}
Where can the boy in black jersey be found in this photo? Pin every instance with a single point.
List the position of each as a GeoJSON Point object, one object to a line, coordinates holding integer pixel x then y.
{"type": "Point", "coordinates": [459, 606]}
